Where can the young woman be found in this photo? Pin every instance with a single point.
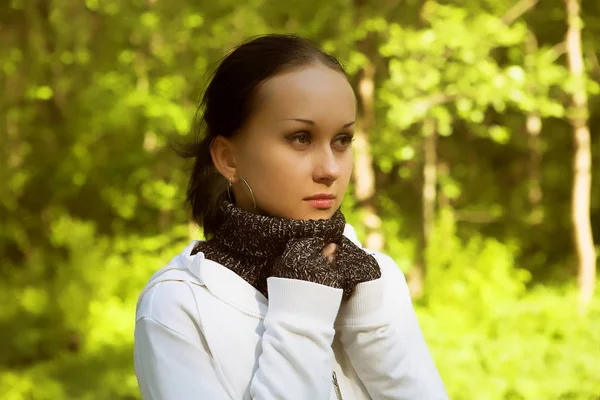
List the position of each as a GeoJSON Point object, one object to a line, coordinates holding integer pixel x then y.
{"type": "Point", "coordinates": [281, 301]}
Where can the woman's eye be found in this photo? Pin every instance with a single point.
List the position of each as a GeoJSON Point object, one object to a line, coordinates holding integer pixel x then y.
{"type": "Point", "coordinates": [344, 140]}
{"type": "Point", "coordinates": [300, 138]}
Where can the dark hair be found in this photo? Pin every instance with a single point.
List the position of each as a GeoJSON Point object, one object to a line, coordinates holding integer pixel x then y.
{"type": "Point", "coordinates": [227, 104]}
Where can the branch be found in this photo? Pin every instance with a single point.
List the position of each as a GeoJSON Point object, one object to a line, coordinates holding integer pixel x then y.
{"type": "Point", "coordinates": [434, 100]}
{"type": "Point", "coordinates": [475, 217]}
{"type": "Point", "coordinates": [518, 10]}
{"type": "Point", "coordinates": [595, 64]}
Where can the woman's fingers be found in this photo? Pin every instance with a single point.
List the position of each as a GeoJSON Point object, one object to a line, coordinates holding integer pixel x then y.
{"type": "Point", "coordinates": [329, 252]}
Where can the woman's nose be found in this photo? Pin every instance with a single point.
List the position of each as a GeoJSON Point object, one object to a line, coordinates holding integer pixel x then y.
{"type": "Point", "coordinates": [327, 168]}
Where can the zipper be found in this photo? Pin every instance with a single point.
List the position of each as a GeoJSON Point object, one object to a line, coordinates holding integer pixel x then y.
{"type": "Point", "coordinates": [336, 386]}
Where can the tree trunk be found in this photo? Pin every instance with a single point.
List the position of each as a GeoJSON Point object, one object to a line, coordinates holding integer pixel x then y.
{"type": "Point", "coordinates": [429, 177]}
{"type": "Point", "coordinates": [428, 201]}
{"type": "Point", "coordinates": [582, 168]}
{"type": "Point", "coordinates": [364, 173]}
{"type": "Point", "coordinates": [533, 127]}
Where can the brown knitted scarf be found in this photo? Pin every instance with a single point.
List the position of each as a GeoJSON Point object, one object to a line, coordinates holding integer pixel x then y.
{"type": "Point", "coordinates": [257, 247]}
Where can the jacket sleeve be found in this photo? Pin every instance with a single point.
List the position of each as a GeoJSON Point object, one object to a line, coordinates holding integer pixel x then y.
{"type": "Point", "coordinates": [297, 359]}
{"type": "Point", "coordinates": [173, 359]}
{"type": "Point", "coordinates": [381, 335]}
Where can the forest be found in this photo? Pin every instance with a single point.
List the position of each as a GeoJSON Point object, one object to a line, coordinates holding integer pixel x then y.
{"type": "Point", "coordinates": [476, 168]}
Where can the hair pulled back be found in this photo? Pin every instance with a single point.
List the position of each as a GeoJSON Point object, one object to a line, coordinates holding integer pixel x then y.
{"type": "Point", "coordinates": [227, 104]}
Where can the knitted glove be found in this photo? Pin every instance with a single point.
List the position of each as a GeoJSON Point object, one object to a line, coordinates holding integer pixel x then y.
{"type": "Point", "coordinates": [357, 266]}
{"type": "Point", "coordinates": [303, 260]}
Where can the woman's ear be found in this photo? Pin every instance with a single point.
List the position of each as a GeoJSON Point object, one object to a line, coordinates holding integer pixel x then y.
{"type": "Point", "coordinates": [223, 158]}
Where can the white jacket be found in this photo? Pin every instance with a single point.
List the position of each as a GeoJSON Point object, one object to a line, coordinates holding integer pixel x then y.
{"type": "Point", "coordinates": [202, 332]}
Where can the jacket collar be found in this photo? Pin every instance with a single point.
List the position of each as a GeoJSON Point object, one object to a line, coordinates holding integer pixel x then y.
{"type": "Point", "coordinates": [226, 285]}
{"type": "Point", "coordinates": [223, 283]}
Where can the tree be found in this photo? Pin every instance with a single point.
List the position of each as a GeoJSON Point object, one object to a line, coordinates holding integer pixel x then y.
{"type": "Point", "coordinates": [364, 172]}
{"type": "Point", "coordinates": [582, 160]}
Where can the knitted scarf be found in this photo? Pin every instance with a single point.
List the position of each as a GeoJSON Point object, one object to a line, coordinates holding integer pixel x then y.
{"type": "Point", "coordinates": [257, 247]}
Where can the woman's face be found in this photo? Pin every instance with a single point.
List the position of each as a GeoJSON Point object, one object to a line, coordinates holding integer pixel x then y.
{"type": "Point", "coordinates": [295, 150]}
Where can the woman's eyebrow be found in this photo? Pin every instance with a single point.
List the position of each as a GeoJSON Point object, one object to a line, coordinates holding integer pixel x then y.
{"type": "Point", "coordinates": [311, 122]}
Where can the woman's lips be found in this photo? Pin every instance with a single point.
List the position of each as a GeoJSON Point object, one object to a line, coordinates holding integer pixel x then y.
{"type": "Point", "coordinates": [321, 203]}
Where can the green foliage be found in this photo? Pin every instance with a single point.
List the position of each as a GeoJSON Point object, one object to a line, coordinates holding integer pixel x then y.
{"type": "Point", "coordinates": [460, 272]}
{"type": "Point", "coordinates": [92, 197]}
{"type": "Point", "coordinates": [534, 347]}
{"type": "Point", "coordinates": [491, 338]}
{"type": "Point", "coordinates": [97, 291]}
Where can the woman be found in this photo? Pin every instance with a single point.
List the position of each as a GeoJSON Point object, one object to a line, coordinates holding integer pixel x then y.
{"type": "Point", "coordinates": [279, 303]}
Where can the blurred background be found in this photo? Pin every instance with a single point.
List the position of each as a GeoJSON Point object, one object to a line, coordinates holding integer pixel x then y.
{"type": "Point", "coordinates": [475, 155]}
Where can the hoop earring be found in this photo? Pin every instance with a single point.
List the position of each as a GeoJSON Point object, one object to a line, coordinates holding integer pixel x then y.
{"type": "Point", "coordinates": [230, 184]}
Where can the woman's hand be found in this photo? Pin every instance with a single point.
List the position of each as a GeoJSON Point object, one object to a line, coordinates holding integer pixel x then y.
{"type": "Point", "coordinates": [341, 266]}
{"type": "Point", "coordinates": [329, 252]}
{"type": "Point", "coordinates": [309, 259]}
{"type": "Point", "coordinates": [357, 266]}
